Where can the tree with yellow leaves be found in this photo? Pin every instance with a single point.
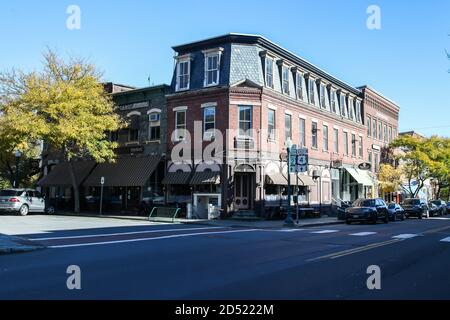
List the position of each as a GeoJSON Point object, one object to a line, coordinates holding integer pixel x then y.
{"type": "Point", "coordinates": [390, 178]}
{"type": "Point", "coordinates": [64, 105]}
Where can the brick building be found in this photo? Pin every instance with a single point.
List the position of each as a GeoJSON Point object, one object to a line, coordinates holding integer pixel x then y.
{"type": "Point", "coordinates": [256, 96]}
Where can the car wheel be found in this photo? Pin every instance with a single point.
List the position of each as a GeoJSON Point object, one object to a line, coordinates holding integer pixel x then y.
{"type": "Point", "coordinates": [51, 210]}
{"type": "Point", "coordinates": [23, 211]}
{"type": "Point", "coordinates": [386, 219]}
{"type": "Point", "coordinates": [403, 218]}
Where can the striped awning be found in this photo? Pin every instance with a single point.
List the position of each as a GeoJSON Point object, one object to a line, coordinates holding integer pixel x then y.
{"type": "Point", "coordinates": [59, 174]}
{"type": "Point", "coordinates": [280, 180]}
{"type": "Point", "coordinates": [125, 172]}
{"type": "Point", "coordinates": [205, 177]}
{"type": "Point", "coordinates": [177, 178]}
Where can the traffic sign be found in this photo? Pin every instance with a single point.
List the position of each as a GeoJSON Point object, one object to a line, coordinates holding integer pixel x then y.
{"type": "Point", "coordinates": [102, 180]}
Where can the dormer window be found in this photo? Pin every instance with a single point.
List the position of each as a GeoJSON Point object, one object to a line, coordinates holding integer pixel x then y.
{"type": "Point", "coordinates": [285, 80]}
{"type": "Point", "coordinates": [299, 85]}
{"type": "Point", "coordinates": [269, 72]}
{"type": "Point", "coordinates": [343, 105]}
{"type": "Point", "coordinates": [322, 96]}
{"type": "Point", "coordinates": [212, 66]}
{"type": "Point", "coordinates": [183, 74]}
{"type": "Point", "coordinates": [333, 100]}
{"type": "Point", "coordinates": [311, 85]}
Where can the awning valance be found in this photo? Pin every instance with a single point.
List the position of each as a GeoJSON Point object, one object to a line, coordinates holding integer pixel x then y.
{"type": "Point", "coordinates": [125, 172]}
{"type": "Point", "coordinates": [177, 178]}
{"type": "Point", "coordinates": [60, 174]}
{"type": "Point", "coordinates": [281, 180]}
{"type": "Point", "coordinates": [361, 176]}
{"type": "Point", "coordinates": [205, 177]}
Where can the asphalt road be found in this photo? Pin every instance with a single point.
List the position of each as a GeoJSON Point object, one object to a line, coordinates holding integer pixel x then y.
{"type": "Point", "coordinates": [202, 262]}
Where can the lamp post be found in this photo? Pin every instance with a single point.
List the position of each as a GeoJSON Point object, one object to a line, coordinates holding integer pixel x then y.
{"type": "Point", "coordinates": [18, 154]}
{"type": "Point", "coordinates": [289, 221]}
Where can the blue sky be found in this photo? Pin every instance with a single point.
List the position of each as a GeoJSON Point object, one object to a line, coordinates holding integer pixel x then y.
{"type": "Point", "coordinates": [130, 40]}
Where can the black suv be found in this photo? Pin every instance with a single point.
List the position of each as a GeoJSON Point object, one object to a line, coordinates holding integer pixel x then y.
{"type": "Point", "coordinates": [367, 210]}
{"type": "Point", "coordinates": [415, 207]}
{"type": "Point", "coordinates": [441, 207]}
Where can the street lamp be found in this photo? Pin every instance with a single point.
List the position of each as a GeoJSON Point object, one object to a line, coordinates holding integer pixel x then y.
{"type": "Point", "coordinates": [289, 221]}
{"type": "Point", "coordinates": [18, 154]}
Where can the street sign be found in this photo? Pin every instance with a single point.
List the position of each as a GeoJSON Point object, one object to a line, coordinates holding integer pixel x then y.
{"type": "Point", "coordinates": [298, 160]}
{"type": "Point", "coordinates": [102, 180]}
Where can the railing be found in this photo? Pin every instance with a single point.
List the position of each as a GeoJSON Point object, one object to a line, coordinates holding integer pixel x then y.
{"type": "Point", "coordinates": [164, 214]}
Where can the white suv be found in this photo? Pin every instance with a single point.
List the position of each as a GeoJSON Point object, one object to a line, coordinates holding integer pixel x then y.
{"type": "Point", "coordinates": [23, 201]}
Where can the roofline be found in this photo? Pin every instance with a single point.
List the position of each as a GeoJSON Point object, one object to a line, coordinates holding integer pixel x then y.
{"type": "Point", "coordinates": [381, 95]}
{"type": "Point", "coordinates": [137, 90]}
{"type": "Point", "coordinates": [257, 39]}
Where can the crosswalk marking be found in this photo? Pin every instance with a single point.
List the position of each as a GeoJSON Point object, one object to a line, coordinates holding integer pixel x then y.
{"type": "Point", "coordinates": [363, 234]}
{"type": "Point", "coordinates": [446, 240]}
{"type": "Point", "coordinates": [325, 231]}
{"type": "Point", "coordinates": [405, 236]}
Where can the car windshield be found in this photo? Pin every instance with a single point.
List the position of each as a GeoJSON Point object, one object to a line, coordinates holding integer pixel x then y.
{"type": "Point", "coordinates": [10, 193]}
{"type": "Point", "coordinates": [391, 206]}
{"type": "Point", "coordinates": [364, 203]}
{"type": "Point", "coordinates": [436, 202]}
{"type": "Point", "coordinates": [413, 202]}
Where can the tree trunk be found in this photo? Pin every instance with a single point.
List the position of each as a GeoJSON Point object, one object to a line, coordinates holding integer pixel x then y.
{"type": "Point", "coordinates": [75, 188]}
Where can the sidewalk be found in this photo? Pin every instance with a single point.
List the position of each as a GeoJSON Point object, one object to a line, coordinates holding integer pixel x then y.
{"type": "Point", "coordinates": [10, 244]}
{"type": "Point", "coordinates": [232, 223]}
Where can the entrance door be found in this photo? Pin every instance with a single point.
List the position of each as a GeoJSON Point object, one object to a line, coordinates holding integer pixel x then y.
{"type": "Point", "coordinates": [242, 185]}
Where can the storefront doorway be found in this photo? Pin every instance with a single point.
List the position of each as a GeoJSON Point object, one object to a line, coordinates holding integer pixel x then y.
{"type": "Point", "coordinates": [243, 186]}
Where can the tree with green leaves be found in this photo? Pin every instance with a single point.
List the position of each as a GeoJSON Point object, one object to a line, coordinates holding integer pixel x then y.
{"type": "Point", "coordinates": [64, 105]}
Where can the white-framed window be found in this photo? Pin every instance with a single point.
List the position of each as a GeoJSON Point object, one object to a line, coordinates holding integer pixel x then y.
{"type": "Point", "coordinates": [269, 72]}
{"type": "Point", "coordinates": [325, 137]}
{"type": "Point", "coordinates": [385, 130]}
{"type": "Point", "coordinates": [209, 122]}
{"type": "Point", "coordinates": [374, 128]}
{"type": "Point", "coordinates": [314, 134]}
{"type": "Point", "coordinates": [180, 125]}
{"type": "Point", "coordinates": [285, 71]}
{"type": "Point", "coordinates": [299, 85]}
{"type": "Point", "coordinates": [361, 147]}
{"type": "Point", "coordinates": [271, 124]}
{"type": "Point", "coordinates": [353, 145]}
{"type": "Point", "coordinates": [358, 112]}
{"type": "Point", "coordinates": [287, 127]}
{"type": "Point", "coordinates": [380, 131]}
{"type": "Point", "coordinates": [183, 74]}
{"type": "Point", "coordinates": [369, 126]}
{"type": "Point", "coordinates": [245, 121]}
{"type": "Point", "coordinates": [390, 134]}
{"type": "Point", "coordinates": [342, 101]}
{"type": "Point", "coordinates": [370, 159]}
{"type": "Point", "coordinates": [346, 143]}
{"type": "Point", "coordinates": [212, 66]}
{"type": "Point", "coordinates": [133, 129]}
{"type": "Point", "coordinates": [322, 96]}
{"type": "Point", "coordinates": [154, 126]}
{"type": "Point", "coordinates": [336, 140]}
{"type": "Point", "coordinates": [351, 113]}
{"type": "Point", "coordinates": [302, 131]}
{"type": "Point", "coordinates": [311, 84]}
{"type": "Point", "coordinates": [333, 100]}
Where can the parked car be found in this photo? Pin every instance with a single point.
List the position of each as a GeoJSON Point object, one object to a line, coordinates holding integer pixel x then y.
{"type": "Point", "coordinates": [441, 208]}
{"type": "Point", "coordinates": [415, 207]}
{"type": "Point", "coordinates": [367, 210]}
{"type": "Point", "coordinates": [23, 201]}
{"type": "Point", "coordinates": [396, 212]}
{"type": "Point", "coordinates": [448, 207]}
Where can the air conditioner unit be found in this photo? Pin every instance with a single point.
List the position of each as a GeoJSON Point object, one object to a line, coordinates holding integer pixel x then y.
{"type": "Point", "coordinates": [208, 136]}
{"type": "Point", "coordinates": [154, 117]}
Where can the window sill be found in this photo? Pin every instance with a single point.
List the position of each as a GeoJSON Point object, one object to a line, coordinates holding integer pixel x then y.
{"type": "Point", "coordinates": [210, 85]}
{"type": "Point", "coordinates": [153, 141]}
{"type": "Point", "coordinates": [181, 90]}
{"type": "Point", "coordinates": [132, 143]}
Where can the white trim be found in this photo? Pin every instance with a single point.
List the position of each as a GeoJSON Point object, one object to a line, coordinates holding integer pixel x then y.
{"type": "Point", "coordinates": [288, 112]}
{"type": "Point", "coordinates": [336, 127]}
{"type": "Point", "coordinates": [245, 103]}
{"type": "Point", "coordinates": [134, 113]}
{"type": "Point", "coordinates": [180, 109]}
{"type": "Point", "coordinates": [155, 110]}
{"type": "Point", "coordinates": [325, 123]}
{"type": "Point", "coordinates": [272, 107]}
{"type": "Point", "coordinates": [314, 120]}
{"type": "Point", "coordinates": [344, 130]}
{"type": "Point", "coordinates": [302, 117]}
{"type": "Point", "coordinates": [208, 104]}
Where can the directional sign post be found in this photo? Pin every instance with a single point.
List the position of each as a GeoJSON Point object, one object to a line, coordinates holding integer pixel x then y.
{"type": "Point", "coordinates": [298, 162]}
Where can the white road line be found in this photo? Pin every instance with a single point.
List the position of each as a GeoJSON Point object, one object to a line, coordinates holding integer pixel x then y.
{"type": "Point", "coordinates": [363, 234]}
{"type": "Point", "coordinates": [446, 240]}
{"type": "Point", "coordinates": [149, 239]}
{"type": "Point", "coordinates": [124, 233]}
{"type": "Point", "coordinates": [324, 231]}
{"type": "Point", "coordinates": [405, 236]}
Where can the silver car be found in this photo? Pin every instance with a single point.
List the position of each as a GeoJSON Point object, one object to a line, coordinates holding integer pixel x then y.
{"type": "Point", "coordinates": [22, 201]}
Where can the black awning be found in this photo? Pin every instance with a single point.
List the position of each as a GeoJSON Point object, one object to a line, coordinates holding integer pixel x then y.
{"type": "Point", "coordinates": [177, 178]}
{"type": "Point", "coordinates": [125, 172]}
{"type": "Point", "coordinates": [59, 174]}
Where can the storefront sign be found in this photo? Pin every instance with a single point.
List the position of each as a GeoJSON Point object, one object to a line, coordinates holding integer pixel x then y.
{"type": "Point", "coordinates": [130, 150]}
{"type": "Point", "coordinates": [133, 106]}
